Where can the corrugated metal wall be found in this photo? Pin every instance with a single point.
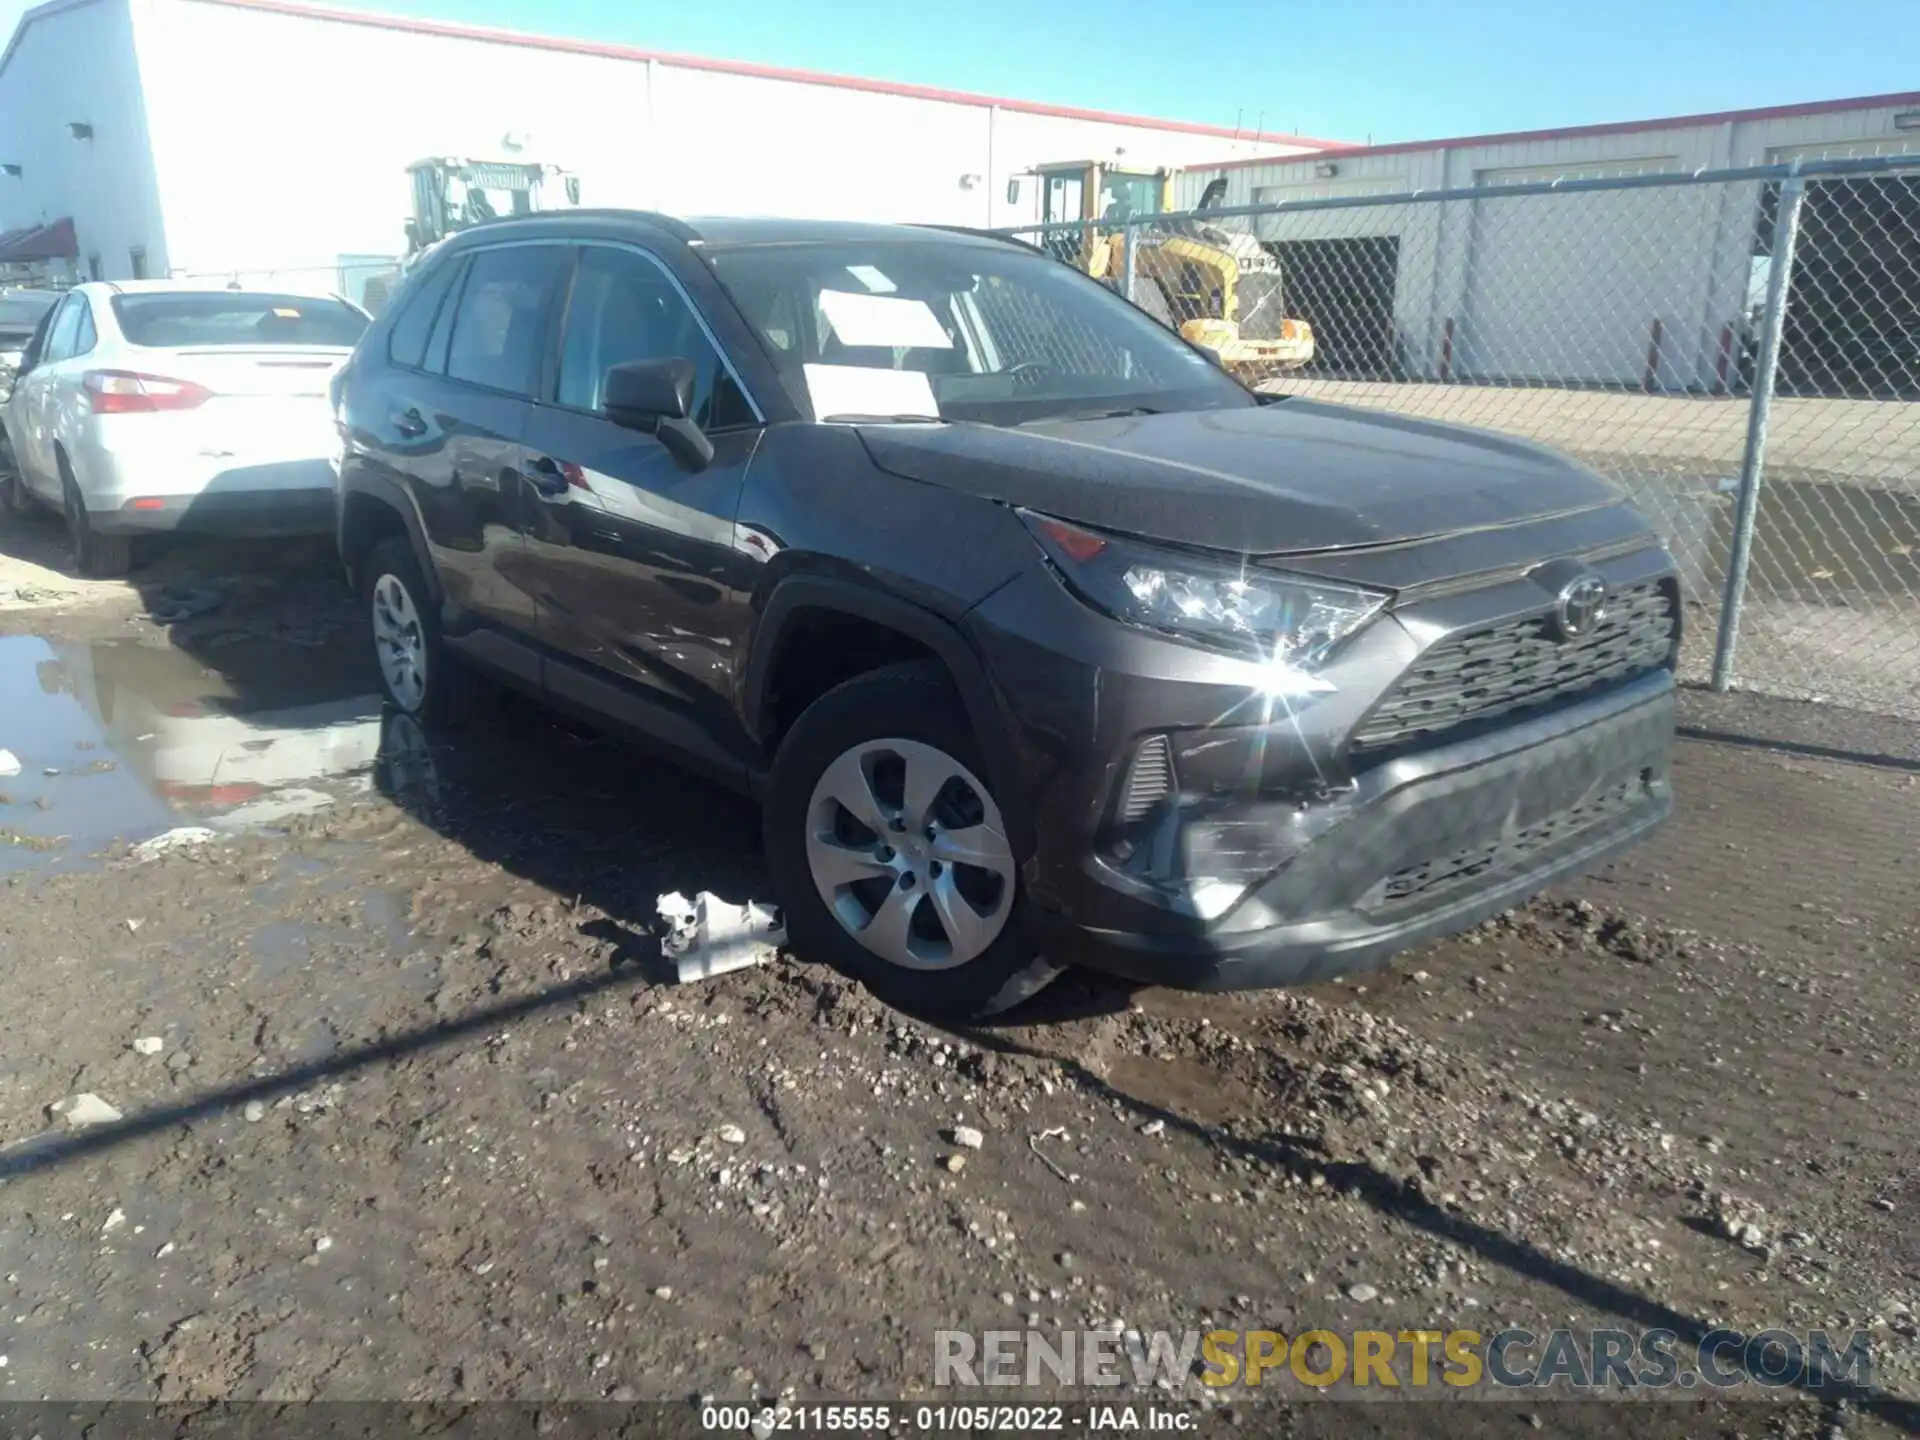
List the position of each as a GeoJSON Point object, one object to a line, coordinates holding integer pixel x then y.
{"type": "Point", "coordinates": [78, 65]}
{"type": "Point", "coordinates": [1487, 284]}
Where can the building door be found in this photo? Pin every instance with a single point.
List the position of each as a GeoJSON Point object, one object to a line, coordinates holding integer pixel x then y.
{"type": "Point", "coordinates": [1853, 315]}
{"type": "Point", "coordinates": [1344, 289]}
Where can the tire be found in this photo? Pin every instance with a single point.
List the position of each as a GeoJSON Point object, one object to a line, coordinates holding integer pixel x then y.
{"type": "Point", "coordinates": [14, 499]}
{"type": "Point", "coordinates": [852, 741]}
{"type": "Point", "coordinates": [96, 556]}
{"type": "Point", "coordinates": [419, 676]}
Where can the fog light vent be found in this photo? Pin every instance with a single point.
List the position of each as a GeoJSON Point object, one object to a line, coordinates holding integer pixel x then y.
{"type": "Point", "coordinates": [1149, 780]}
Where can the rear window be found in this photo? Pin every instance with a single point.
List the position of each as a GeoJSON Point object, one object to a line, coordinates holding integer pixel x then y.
{"type": "Point", "coordinates": [168, 318]}
{"type": "Point", "coordinates": [23, 312]}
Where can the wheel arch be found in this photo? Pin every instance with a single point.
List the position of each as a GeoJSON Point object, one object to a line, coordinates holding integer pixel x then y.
{"type": "Point", "coordinates": [370, 511]}
{"type": "Point", "coordinates": [784, 623]}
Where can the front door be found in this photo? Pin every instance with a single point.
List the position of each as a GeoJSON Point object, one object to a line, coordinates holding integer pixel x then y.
{"type": "Point", "coordinates": [638, 582]}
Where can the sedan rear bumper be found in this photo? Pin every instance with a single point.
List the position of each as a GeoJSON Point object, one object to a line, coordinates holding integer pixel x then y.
{"type": "Point", "coordinates": [296, 499]}
{"type": "Point", "coordinates": [1424, 846]}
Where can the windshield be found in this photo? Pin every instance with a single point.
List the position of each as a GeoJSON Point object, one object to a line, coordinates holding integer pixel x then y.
{"type": "Point", "coordinates": [223, 317]}
{"type": "Point", "coordinates": [987, 333]}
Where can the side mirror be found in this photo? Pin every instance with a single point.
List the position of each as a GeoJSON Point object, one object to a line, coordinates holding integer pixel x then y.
{"type": "Point", "coordinates": [640, 393]}
{"type": "Point", "coordinates": [1013, 190]}
{"type": "Point", "coordinates": [655, 397]}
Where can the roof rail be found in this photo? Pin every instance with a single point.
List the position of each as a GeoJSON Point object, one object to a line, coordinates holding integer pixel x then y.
{"type": "Point", "coordinates": [675, 227]}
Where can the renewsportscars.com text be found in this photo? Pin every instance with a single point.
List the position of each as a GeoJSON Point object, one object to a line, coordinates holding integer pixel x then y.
{"type": "Point", "coordinates": [1377, 1360]}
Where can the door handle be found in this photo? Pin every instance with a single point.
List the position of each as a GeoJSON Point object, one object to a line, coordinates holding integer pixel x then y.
{"type": "Point", "coordinates": [410, 423]}
{"type": "Point", "coordinates": [545, 476]}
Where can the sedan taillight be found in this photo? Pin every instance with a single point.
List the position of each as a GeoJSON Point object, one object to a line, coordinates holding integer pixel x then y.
{"type": "Point", "coordinates": [122, 392]}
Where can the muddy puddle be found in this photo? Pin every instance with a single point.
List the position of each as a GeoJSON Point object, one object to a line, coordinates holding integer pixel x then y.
{"type": "Point", "coordinates": [118, 741]}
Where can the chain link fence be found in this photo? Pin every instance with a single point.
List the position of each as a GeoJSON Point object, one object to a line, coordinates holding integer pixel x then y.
{"type": "Point", "coordinates": [1739, 351]}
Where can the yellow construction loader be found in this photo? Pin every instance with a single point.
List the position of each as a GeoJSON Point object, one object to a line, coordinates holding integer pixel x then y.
{"type": "Point", "coordinates": [451, 193]}
{"type": "Point", "coordinates": [1219, 288]}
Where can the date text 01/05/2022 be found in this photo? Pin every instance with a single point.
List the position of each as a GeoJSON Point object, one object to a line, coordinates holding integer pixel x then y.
{"type": "Point", "coordinates": [764, 1421]}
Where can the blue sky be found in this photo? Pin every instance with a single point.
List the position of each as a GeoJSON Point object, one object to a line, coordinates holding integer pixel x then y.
{"type": "Point", "coordinates": [1338, 69]}
{"type": "Point", "coordinates": [1342, 69]}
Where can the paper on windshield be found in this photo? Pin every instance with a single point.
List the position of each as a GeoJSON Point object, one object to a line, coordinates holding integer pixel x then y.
{"type": "Point", "coordinates": [883, 320]}
{"type": "Point", "coordinates": [865, 390]}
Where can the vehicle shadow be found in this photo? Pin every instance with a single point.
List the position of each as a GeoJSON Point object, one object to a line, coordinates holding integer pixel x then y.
{"type": "Point", "coordinates": [36, 540]}
{"type": "Point", "coordinates": [174, 577]}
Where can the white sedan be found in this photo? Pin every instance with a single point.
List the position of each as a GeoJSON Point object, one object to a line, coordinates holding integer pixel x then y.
{"type": "Point", "coordinates": [158, 405]}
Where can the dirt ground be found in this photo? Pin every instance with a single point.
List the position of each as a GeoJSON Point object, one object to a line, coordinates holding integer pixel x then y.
{"type": "Point", "coordinates": [425, 1121]}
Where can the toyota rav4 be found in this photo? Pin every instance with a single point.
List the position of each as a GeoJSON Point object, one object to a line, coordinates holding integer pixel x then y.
{"type": "Point", "coordinates": [1041, 640]}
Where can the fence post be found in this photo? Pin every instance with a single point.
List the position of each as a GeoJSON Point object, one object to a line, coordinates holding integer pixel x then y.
{"type": "Point", "coordinates": [1786, 231]}
{"type": "Point", "coordinates": [1130, 240]}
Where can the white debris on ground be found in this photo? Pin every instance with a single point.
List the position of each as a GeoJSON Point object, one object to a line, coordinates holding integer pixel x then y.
{"type": "Point", "coordinates": [179, 838]}
{"type": "Point", "coordinates": [149, 1045]}
{"type": "Point", "coordinates": [707, 936]}
{"type": "Point", "coordinates": [9, 764]}
{"type": "Point", "coordinates": [83, 1110]}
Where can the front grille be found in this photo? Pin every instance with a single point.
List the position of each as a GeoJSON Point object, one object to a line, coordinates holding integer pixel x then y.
{"type": "Point", "coordinates": [1511, 855]}
{"type": "Point", "coordinates": [1521, 664]}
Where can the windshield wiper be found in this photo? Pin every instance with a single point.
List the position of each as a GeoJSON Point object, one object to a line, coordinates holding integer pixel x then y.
{"type": "Point", "coordinates": [1094, 415]}
{"type": "Point", "coordinates": [860, 418]}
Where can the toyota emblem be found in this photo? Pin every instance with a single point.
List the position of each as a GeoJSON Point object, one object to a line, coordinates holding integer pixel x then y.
{"type": "Point", "coordinates": [1580, 606]}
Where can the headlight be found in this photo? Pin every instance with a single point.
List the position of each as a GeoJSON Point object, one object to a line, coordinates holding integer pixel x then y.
{"type": "Point", "coordinates": [1288, 623]}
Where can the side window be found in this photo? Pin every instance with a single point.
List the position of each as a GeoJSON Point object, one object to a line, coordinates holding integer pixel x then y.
{"type": "Point", "coordinates": [437, 342]}
{"type": "Point", "coordinates": [500, 324]}
{"type": "Point", "coordinates": [66, 326]}
{"type": "Point", "coordinates": [624, 308]}
{"type": "Point", "coordinates": [85, 336]}
{"type": "Point", "coordinates": [419, 308]}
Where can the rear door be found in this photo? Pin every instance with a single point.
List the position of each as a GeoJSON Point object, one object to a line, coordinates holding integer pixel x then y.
{"type": "Point", "coordinates": [638, 579]}
{"type": "Point", "coordinates": [40, 400]}
{"type": "Point", "coordinates": [444, 419]}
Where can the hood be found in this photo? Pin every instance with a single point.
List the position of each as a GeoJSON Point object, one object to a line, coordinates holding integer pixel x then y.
{"type": "Point", "coordinates": [1284, 478]}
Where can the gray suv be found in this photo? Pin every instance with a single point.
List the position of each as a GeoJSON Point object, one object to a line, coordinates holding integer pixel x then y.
{"type": "Point", "coordinates": [1041, 640]}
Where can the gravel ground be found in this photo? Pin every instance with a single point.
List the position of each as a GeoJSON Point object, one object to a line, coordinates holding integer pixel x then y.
{"type": "Point", "coordinates": [425, 1121]}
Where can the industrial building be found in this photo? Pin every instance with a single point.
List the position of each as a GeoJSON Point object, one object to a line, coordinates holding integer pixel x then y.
{"type": "Point", "coordinates": [1647, 288]}
{"type": "Point", "coordinates": [255, 136]}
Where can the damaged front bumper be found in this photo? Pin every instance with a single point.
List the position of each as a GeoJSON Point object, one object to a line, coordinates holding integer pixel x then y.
{"type": "Point", "coordinates": [1288, 891]}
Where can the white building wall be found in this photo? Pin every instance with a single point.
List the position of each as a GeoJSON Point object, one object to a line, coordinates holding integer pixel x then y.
{"type": "Point", "coordinates": [77, 63]}
{"type": "Point", "coordinates": [297, 156]}
{"type": "Point", "coordinates": [1561, 288]}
